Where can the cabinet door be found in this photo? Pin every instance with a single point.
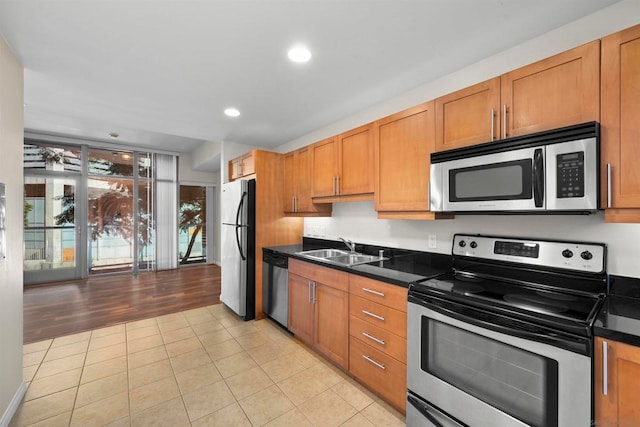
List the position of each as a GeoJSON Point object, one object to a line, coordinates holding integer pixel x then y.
{"type": "Point", "coordinates": [301, 309]}
{"type": "Point", "coordinates": [621, 118]}
{"type": "Point", "coordinates": [324, 168]}
{"type": "Point", "coordinates": [248, 165]}
{"type": "Point", "coordinates": [403, 143]}
{"type": "Point", "coordinates": [619, 406]}
{"type": "Point", "coordinates": [332, 324]}
{"type": "Point", "coordinates": [558, 91]}
{"type": "Point", "coordinates": [468, 116]}
{"type": "Point", "coordinates": [303, 174]}
{"type": "Point", "coordinates": [290, 182]}
{"type": "Point", "coordinates": [235, 169]}
{"type": "Point", "coordinates": [355, 162]}
{"type": "Point", "coordinates": [381, 372]}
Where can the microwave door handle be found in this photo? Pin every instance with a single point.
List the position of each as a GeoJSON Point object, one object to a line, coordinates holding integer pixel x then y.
{"type": "Point", "coordinates": [538, 178]}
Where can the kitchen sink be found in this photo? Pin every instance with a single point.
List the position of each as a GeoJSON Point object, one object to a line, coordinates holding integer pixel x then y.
{"type": "Point", "coordinates": [339, 257]}
{"type": "Point", "coordinates": [323, 253]}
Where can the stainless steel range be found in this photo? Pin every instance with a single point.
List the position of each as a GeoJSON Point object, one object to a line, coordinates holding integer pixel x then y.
{"type": "Point", "coordinates": [505, 338]}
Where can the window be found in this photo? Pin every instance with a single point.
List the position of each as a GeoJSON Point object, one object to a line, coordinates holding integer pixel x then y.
{"type": "Point", "coordinates": [192, 213]}
{"type": "Point", "coordinates": [89, 209]}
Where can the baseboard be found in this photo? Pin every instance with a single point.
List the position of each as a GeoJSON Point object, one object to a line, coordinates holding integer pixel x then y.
{"type": "Point", "coordinates": [13, 406]}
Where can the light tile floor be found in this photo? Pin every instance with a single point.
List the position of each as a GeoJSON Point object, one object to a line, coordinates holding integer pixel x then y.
{"type": "Point", "coordinates": [201, 367]}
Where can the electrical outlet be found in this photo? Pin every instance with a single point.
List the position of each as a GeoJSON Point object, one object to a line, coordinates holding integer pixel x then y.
{"type": "Point", "coordinates": [432, 241]}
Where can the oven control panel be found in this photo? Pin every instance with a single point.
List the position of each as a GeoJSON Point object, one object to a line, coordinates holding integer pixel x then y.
{"type": "Point", "coordinates": [586, 257]}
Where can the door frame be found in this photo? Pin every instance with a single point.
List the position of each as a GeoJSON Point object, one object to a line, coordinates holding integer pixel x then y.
{"type": "Point", "coordinates": [79, 271]}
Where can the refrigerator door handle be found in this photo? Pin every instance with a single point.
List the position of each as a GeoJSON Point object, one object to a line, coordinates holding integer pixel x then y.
{"type": "Point", "coordinates": [240, 205]}
{"type": "Point", "coordinates": [240, 249]}
{"type": "Point", "coordinates": [240, 226]}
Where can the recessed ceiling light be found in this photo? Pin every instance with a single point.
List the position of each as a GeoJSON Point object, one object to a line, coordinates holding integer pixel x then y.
{"type": "Point", "coordinates": [232, 112]}
{"type": "Point", "coordinates": [299, 54]}
{"type": "Point", "coordinates": [114, 135]}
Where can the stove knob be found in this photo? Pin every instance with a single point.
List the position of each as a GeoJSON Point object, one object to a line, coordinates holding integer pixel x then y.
{"type": "Point", "coordinates": [473, 244]}
{"type": "Point", "coordinates": [586, 255]}
{"type": "Point", "coordinates": [567, 253]}
{"type": "Point", "coordinates": [462, 243]}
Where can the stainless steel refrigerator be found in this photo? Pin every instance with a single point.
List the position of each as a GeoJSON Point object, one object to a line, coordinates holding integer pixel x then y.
{"type": "Point", "coordinates": [237, 202]}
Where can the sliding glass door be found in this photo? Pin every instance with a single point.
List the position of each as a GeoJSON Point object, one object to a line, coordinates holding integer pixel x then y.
{"type": "Point", "coordinates": [88, 211]}
{"type": "Point", "coordinates": [119, 211]}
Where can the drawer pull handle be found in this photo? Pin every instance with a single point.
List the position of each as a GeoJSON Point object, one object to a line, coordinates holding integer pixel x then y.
{"type": "Point", "coordinates": [370, 360]}
{"type": "Point", "coordinates": [375, 316]}
{"type": "Point", "coordinates": [372, 338]}
{"type": "Point", "coordinates": [371, 291]}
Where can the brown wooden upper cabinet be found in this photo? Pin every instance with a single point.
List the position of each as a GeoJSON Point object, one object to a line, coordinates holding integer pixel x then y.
{"type": "Point", "coordinates": [403, 144]}
{"type": "Point", "coordinates": [620, 131]}
{"type": "Point", "coordinates": [562, 90]}
{"type": "Point", "coordinates": [242, 166]}
{"type": "Point", "coordinates": [342, 167]}
{"type": "Point", "coordinates": [297, 186]}
{"type": "Point", "coordinates": [468, 116]}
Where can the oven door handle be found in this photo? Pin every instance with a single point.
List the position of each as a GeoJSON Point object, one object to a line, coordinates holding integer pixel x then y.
{"type": "Point", "coordinates": [423, 411]}
{"type": "Point", "coordinates": [494, 327]}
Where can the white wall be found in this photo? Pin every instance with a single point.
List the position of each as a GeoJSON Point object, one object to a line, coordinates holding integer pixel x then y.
{"type": "Point", "coordinates": [357, 221]}
{"type": "Point", "coordinates": [11, 138]}
{"type": "Point", "coordinates": [188, 175]}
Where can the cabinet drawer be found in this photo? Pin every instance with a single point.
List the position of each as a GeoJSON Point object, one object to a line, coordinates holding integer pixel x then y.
{"type": "Point", "coordinates": [380, 292]}
{"type": "Point", "coordinates": [328, 276]}
{"type": "Point", "coordinates": [379, 338]}
{"type": "Point", "coordinates": [380, 372]}
{"type": "Point", "coordinates": [392, 320]}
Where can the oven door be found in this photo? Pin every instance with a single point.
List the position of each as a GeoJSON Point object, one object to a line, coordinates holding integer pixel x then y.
{"type": "Point", "coordinates": [485, 376]}
{"type": "Point", "coordinates": [505, 181]}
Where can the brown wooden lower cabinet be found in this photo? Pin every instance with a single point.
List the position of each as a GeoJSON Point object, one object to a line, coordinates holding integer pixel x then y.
{"type": "Point", "coordinates": [357, 323]}
{"type": "Point", "coordinates": [385, 317]}
{"type": "Point", "coordinates": [616, 383]}
{"type": "Point", "coordinates": [379, 338]}
{"type": "Point", "coordinates": [379, 371]}
{"type": "Point", "coordinates": [319, 309]}
{"type": "Point", "coordinates": [301, 309]}
{"type": "Point", "coordinates": [332, 323]}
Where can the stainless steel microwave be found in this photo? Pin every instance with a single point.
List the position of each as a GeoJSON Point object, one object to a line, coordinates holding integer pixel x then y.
{"type": "Point", "coordinates": [548, 172]}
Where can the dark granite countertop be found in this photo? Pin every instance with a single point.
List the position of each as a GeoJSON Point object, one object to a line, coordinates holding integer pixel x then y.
{"type": "Point", "coordinates": [402, 267]}
{"type": "Point", "coordinates": [619, 318]}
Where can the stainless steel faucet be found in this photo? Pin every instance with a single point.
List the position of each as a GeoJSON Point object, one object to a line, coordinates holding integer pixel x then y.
{"type": "Point", "coordinates": [349, 243]}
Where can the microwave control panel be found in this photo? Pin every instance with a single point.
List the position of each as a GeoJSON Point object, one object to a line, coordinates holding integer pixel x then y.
{"type": "Point", "coordinates": [571, 180]}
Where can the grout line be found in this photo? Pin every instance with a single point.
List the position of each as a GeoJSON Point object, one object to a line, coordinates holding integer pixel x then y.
{"type": "Point", "coordinates": [229, 325]}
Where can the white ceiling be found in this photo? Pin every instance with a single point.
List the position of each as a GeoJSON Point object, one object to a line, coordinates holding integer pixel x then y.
{"type": "Point", "coordinates": [161, 72]}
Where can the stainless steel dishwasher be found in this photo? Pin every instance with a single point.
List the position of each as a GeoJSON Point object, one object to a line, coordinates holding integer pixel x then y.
{"type": "Point", "coordinates": [275, 286]}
